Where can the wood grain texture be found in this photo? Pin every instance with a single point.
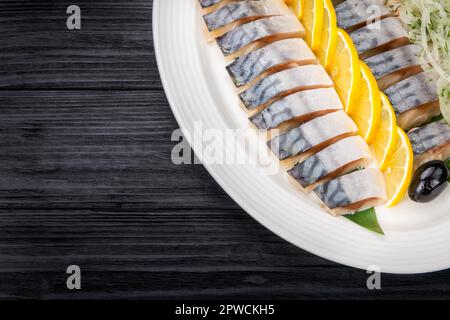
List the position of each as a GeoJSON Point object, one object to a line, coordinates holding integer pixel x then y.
{"type": "Point", "coordinates": [113, 49]}
{"type": "Point", "coordinates": [86, 178]}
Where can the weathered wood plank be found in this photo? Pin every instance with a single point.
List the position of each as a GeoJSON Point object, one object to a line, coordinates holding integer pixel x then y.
{"type": "Point", "coordinates": [113, 49]}
{"type": "Point", "coordinates": [96, 148]}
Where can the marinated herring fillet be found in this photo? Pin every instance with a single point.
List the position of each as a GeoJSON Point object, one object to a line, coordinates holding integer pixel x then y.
{"type": "Point", "coordinates": [244, 11]}
{"type": "Point", "coordinates": [354, 14]}
{"type": "Point", "coordinates": [266, 29]}
{"type": "Point", "coordinates": [284, 83]}
{"type": "Point", "coordinates": [300, 106]}
{"type": "Point", "coordinates": [356, 191]}
{"type": "Point", "coordinates": [275, 55]}
{"type": "Point", "coordinates": [395, 65]}
{"type": "Point", "coordinates": [209, 6]}
{"type": "Point", "coordinates": [371, 40]}
{"type": "Point", "coordinates": [344, 156]}
{"type": "Point", "coordinates": [313, 135]}
{"type": "Point", "coordinates": [215, 3]}
{"type": "Point", "coordinates": [277, 76]}
{"type": "Point", "coordinates": [430, 142]}
{"type": "Point", "coordinates": [414, 100]}
{"type": "Point", "coordinates": [208, 3]}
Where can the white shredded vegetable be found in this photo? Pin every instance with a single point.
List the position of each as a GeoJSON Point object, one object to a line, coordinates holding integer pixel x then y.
{"type": "Point", "coordinates": [429, 26]}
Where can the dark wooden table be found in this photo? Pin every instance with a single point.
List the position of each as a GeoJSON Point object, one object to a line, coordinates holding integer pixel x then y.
{"type": "Point", "coordinates": [86, 178]}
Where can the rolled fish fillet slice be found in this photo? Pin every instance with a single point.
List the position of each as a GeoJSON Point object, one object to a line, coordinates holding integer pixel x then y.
{"type": "Point", "coordinates": [232, 14]}
{"type": "Point", "coordinates": [430, 142]}
{"type": "Point", "coordinates": [380, 36]}
{"type": "Point", "coordinates": [395, 65]}
{"type": "Point", "coordinates": [208, 3]}
{"type": "Point", "coordinates": [414, 100]}
{"type": "Point", "coordinates": [354, 14]}
{"type": "Point", "coordinates": [356, 191]}
{"type": "Point", "coordinates": [212, 5]}
{"type": "Point", "coordinates": [313, 136]}
{"type": "Point", "coordinates": [344, 156]}
{"type": "Point", "coordinates": [284, 83]}
{"type": "Point", "coordinates": [273, 57]}
{"type": "Point", "coordinates": [248, 36]}
{"type": "Point", "coordinates": [300, 106]}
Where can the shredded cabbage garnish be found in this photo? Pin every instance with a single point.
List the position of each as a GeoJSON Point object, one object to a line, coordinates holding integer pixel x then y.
{"type": "Point", "coordinates": [444, 99]}
{"type": "Point", "coordinates": [429, 26]}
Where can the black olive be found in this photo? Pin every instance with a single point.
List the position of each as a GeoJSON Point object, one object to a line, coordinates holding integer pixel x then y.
{"type": "Point", "coordinates": [430, 180]}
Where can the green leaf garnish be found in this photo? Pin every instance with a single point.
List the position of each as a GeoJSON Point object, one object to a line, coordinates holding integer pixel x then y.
{"type": "Point", "coordinates": [434, 119]}
{"type": "Point", "coordinates": [366, 219]}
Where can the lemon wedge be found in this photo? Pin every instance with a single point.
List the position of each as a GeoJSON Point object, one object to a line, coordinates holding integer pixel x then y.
{"type": "Point", "coordinates": [367, 112]}
{"type": "Point", "coordinates": [312, 20]}
{"type": "Point", "coordinates": [345, 70]}
{"type": "Point", "coordinates": [297, 6]}
{"type": "Point", "coordinates": [386, 135]}
{"type": "Point", "coordinates": [399, 169]}
{"type": "Point", "coordinates": [328, 42]}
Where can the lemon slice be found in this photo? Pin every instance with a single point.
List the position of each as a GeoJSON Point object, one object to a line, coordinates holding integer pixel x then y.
{"type": "Point", "coordinates": [328, 42]}
{"type": "Point", "coordinates": [297, 6]}
{"type": "Point", "coordinates": [345, 70]}
{"type": "Point", "coordinates": [399, 169]}
{"type": "Point", "coordinates": [367, 112]}
{"type": "Point", "coordinates": [386, 135]}
{"type": "Point", "coordinates": [312, 20]}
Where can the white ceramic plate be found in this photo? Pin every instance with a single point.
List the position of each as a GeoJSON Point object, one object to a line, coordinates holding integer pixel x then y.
{"type": "Point", "coordinates": [198, 89]}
